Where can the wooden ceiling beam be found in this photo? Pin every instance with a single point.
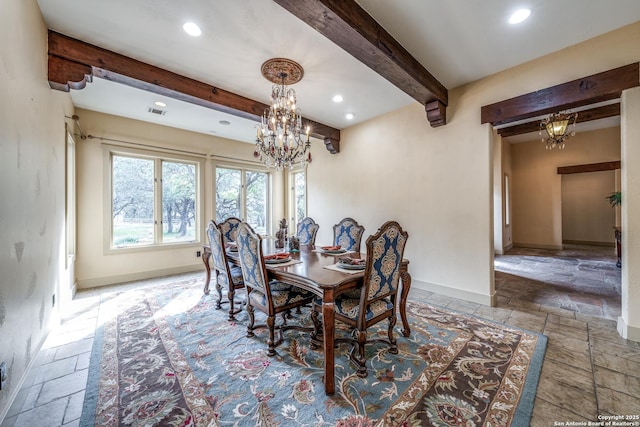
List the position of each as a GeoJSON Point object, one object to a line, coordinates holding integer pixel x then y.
{"type": "Point", "coordinates": [350, 27]}
{"type": "Point", "coordinates": [587, 90]}
{"type": "Point", "coordinates": [591, 167]}
{"type": "Point", "coordinates": [73, 63]}
{"type": "Point", "coordinates": [610, 110]}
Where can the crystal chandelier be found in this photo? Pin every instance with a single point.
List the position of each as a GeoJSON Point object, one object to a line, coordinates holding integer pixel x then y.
{"type": "Point", "coordinates": [556, 126]}
{"type": "Point", "coordinates": [279, 142]}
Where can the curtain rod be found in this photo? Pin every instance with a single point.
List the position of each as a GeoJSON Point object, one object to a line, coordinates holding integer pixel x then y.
{"type": "Point", "coordinates": [76, 120]}
{"type": "Point", "coordinates": [234, 159]}
{"type": "Point", "coordinates": [139, 144]}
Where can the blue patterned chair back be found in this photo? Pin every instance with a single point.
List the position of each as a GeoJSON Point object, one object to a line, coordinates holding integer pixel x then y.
{"type": "Point", "coordinates": [385, 250]}
{"type": "Point", "coordinates": [348, 234]}
{"type": "Point", "coordinates": [229, 228]}
{"type": "Point", "coordinates": [307, 230]}
{"type": "Point", "coordinates": [218, 255]}
{"type": "Point", "coordinates": [250, 252]}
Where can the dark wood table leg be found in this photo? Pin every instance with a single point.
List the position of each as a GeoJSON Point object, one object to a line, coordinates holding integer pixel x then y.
{"type": "Point", "coordinates": [405, 278]}
{"type": "Point", "coordinates": [206, 254]}
{"type": "Point", "coordinates": [328, 327]}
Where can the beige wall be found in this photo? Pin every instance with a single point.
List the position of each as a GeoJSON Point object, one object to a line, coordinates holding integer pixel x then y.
{"type": "Point", "coordinates": [96, 265]}
{"type": "Point", "coordinates": [587, 216]}
{"type": "Point", "coordinates": [537, 187]}
{"type": "Point", "coordinates": [32, 175]}
{"type": "Point", "coordinates": [629, 322]}
{"type": "Point", "coordinates": [437, 183]}
{"type": "Point", "coordinates": [503, 196]}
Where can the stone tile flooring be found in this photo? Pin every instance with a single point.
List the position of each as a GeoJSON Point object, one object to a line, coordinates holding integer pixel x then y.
{"type": "Point", "coordinates": [572, 296]}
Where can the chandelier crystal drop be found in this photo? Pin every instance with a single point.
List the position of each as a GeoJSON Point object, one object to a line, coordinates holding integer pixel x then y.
{"type": "Point", "coordinates": [279, 136]}
{"type": "Point", "coordinates": [556, 129]}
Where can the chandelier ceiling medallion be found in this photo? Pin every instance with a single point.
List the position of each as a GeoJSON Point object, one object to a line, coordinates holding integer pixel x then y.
{"type": "Point", "coordinates": [556, 128]}
{"type": "Point", "coordinates": [279, 136]}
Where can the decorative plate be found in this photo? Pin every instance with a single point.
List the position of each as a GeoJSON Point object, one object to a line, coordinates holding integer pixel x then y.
{"type": "Point", "coordinates": [351, 266]}
{"type": "Point", "coordinates": [334, 251]}
{"type": "Point", "coordinates": [277, 260]}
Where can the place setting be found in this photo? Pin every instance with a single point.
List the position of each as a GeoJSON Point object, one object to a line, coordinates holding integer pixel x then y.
{"type": "Point", "coordinates": [280, 259]}
{"type": "Point", "coordinates": [348, 265]}
{"type": "Point", "coordinates": [332, 250]}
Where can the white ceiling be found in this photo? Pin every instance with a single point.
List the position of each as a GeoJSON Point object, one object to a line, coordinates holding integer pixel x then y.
{"type": "Point", "coordinates": [458, 41]}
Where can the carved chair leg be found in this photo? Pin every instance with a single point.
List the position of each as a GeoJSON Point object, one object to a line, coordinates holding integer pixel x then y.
{"type": "Point", "coordinates": [252, 319]}
{"type": "Point", "coordinates": [317, 329]}
{"type": "Point", "coordinates": [360, 357]}
{"type": "Point", "coordinates": [230, 296]}
{"type": "Point", "coordinates": [271, 341]}
{"type": "Point", "coordinates": [392, 338]}
{"type": "Point", "coordinates": [219, 290]}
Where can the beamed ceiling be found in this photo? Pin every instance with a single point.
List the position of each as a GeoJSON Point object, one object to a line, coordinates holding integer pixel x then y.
{"type": "Point", "coordinates": [118, 56]}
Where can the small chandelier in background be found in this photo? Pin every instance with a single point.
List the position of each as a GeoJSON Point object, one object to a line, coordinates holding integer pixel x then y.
{"type": "Point", "coordinates": [556, 128]}
{"type": "Point", "coordinates": [279, 142]}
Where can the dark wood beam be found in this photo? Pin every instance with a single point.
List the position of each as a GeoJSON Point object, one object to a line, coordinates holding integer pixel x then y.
{"type": "Point", "coordinates": [602, 112]}
{"type": "Point", "coordinates": [349, 26]}
{"type": "Point", "coordinates": [592, 167]}
{"type": "Point", "coordinates": [72, 63]}
{"type": "Point", "coordinates": [65, 75]}
{"type": "Point", "coordinates": [587, 90]}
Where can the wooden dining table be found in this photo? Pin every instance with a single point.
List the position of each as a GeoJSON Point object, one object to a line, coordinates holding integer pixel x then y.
{"type": "Point", "coordinates": [311, 274]}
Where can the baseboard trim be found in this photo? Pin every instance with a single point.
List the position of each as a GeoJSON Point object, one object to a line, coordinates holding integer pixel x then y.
{"type": "Point", "coordinates": [537, 246]}
{"type": "Point", "coordinates": [589, 243]}
{"type": "Point", "coordinates": [490, 300]}
{"type": "Point", "coordinates": [123, 278]}
{"type": "Point", "coordinates": [628, 332]}
{"type": "Point", "coordinates": [21, 380]}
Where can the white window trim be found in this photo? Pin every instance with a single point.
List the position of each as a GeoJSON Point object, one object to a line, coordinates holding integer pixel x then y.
{"type": "Point", "coordinates": [108, 152]}
{"type": "Point", "coordinates": [290, 199]}
{"type": "Point", "coordinates": [243, 167]}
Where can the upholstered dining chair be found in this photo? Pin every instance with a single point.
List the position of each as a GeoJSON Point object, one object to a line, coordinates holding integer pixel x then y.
{"type": "Point", "coordinates": [227, 275]}
{"type": "Point", "coordinates": [272, 297]}
{"type": "Point", "coordinates": [229, 228]}
{"type": "Point", "coordinates": [306, 231]}
{"type": "Point", "coordinates": [348, 234]}
{"type": "Point", "coordinates": [375, 301]}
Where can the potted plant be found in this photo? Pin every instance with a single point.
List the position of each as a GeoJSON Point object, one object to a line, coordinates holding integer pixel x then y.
{"type": "Point", "coordinates": [614, 199]}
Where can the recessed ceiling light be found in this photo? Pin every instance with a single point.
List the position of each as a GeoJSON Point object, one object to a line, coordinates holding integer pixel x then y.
{"type": "Point", "coordinates": [160, 104]}
{"type": "Point", "coordinates": [224, 122]}
{"type": "Point", "coordinates": [338, 98]}
{"type": "Point", "coordinates": [350, 116]}
{"type": "Point", "coordinates": [519, 15]}
{"type": "Point", "coordinates": [192, 29]}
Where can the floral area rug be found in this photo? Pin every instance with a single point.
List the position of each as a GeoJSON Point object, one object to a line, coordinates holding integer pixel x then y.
{"type": "Point", "coordinates": [166, 357]}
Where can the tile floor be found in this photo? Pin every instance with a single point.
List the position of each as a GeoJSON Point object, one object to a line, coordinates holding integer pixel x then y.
{"type": "Point", "coordinates": [572, 296]}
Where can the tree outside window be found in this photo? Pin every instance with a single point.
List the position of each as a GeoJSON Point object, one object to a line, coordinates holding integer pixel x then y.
{"type": "Point", "coordinates": [137, 219]}
{"type": "Point", "coordinates": [298, 206]}
{"type": "Point", "coordinates": [243, 194]}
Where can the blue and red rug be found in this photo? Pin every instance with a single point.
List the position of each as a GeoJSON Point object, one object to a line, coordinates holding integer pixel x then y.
{"type": "Point", "coordinates": [165, 356]}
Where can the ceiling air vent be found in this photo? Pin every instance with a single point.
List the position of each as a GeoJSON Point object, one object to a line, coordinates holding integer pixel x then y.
{"type": "Point", "coordinates": [157, 111]}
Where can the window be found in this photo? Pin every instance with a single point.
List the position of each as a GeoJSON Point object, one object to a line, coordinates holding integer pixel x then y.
{"type": "Point", "coordinates": [153, 200]}
{"type": "Point", "coordinates": [298, 196]}
{"type": "Point", "coordinates": [70, 199]}
{"type": "Point", "coordinates": [244, 194]}
{"type": "Point", "coordinates": [507, 202]}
